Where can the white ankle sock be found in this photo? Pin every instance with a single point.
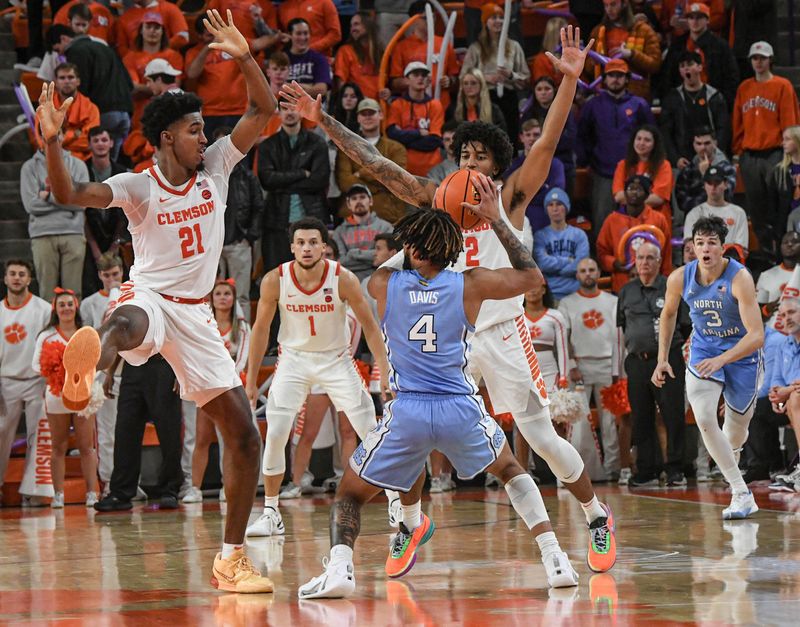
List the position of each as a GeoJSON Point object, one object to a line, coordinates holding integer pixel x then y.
{"type": "Point", "coordinates": [228, 549]}
{"type": "Point", "coordinates": [412, 515]}
{"type": "Point", "coordinates": [341, 553]}
{"type": "Point", "coordinates": [548, 543]}
{"type": "Point", "coordinates": [270, 501]}
{"type": "Point", "coordinates": [592, 510]}
{"type": "Point", "coordinates": [734, 477]}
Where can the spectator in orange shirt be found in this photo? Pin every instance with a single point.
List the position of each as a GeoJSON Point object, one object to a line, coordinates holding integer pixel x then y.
{"type": "Point", "coordinates": [764, 106]}
{"type": "Point", "coordinates": [321, 17]}
{"type": "Point", "coordinates": [414, 47]}
{"type": "Point", "coordinates": [127, 26]}
{"type": "Point", "coordinates": [415, 120]}
{"type": "Point", "coordinates": [82, 116]}
{"type": "Point", "coordinates": [474, 103]}
{"type": "Point", "coordinates": [633, 213]}
{"type": "Point", "coordinates": [100, 20]}
{"type": "Point", "coordinates": [541, 65]}
{"type": "Point", "coordinates": [216, 78]}
{"type": "Point", "coordinates": [253, 18]}
{"type": "Point", "coordinates": [647, 156]}
{"type": "Point", "coordinates": [674, 22]}
{"type": "Point", "coordinates": [357, 61]}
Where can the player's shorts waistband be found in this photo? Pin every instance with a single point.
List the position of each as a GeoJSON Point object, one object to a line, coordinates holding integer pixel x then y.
{"type": "Point", "coordinates": [427, 396]}
{"type": "Point", "coordinates": [182, 300]}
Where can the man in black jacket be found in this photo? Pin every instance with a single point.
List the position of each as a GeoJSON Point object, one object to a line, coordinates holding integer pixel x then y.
{"type": "Point", "coordinates": [103, 79]}
{"type": "Point", "coordinates": [722, 73]}
{"type": "Point", "coordinates": [691, 106]}
{"type": "Point", "coordinates": [293, 168]}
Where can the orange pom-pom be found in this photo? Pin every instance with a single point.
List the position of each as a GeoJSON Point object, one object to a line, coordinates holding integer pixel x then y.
{"type": "Point", "coordinates": [363, 369]}
{"type": "Point", "coordinates": [615, 398]}
{"type": "Point", "coordinates": [51, 364]}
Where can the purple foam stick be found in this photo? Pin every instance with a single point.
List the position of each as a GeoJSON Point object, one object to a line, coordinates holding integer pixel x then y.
{"type": "Point", "coordinates": [25, 105]}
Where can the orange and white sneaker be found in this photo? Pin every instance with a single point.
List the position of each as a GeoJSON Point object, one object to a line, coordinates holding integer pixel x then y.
{"type": "Point", "coordinates": [403, 552]}
{"type": "Point", "coordinates": [237, 574]}
{"type": "Point", "coordinates": [602, 542]}
{"type": "Point", "coordinates": [80, 358]}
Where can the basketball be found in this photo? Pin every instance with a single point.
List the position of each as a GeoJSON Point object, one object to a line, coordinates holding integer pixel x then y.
{"type": "Point", "coordinates": [454, 190]}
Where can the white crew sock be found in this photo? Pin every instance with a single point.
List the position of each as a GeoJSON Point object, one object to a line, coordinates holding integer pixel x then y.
{"type": "Point", "coordinates": [228, 549]}
{"type": "Point", "coordinates": [270, 501]}
{"type": "Point", "coordinates": [548, 544]}
{"type": "Point", "coordinates": [341, 553]}
{"type": "Point", "coordinates": [412, 515]}
{"type": "Point", "coordinates": [592, 510]}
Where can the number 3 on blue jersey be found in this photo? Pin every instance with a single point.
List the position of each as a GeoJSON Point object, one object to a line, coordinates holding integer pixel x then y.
{"type": "Point", "coordinates": [422, 331]}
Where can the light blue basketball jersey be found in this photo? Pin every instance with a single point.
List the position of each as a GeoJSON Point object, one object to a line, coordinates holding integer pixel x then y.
{"type": "Point", "coordinates": [713, 309]}
{"type": "Point", "coordinates": [426, 330]}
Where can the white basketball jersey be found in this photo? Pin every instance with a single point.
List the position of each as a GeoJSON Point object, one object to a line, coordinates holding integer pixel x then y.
{"type": "Point", "coordinates": [20, 327]}
{"type": "Point", "coordinates": [314, 320]}
{"type": "Point", "coordinates": [177, 233]}
{"type": "Point", "coordinates": [482, 249]}
{"type": "Point", "coordinates": [93, 309]}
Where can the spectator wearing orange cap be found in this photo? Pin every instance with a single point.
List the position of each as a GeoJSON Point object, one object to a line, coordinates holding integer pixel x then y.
{"type": "Point", "coordinates": [674, 22]}
{"type": "Point", "coordinates": [513, 75]}
{"type": "Point", "coordinates": [764, 106]}
{"type": "Point", "coordinates": [620, 36]}
{"type": "Point", "coordinates": [322, 19]}
{"type": "Point", "coordinates": [101, 24]}
{"type": "Point", "coordinates": [174, 23]}
{"type": "Point", "coordinates": [719, 65]}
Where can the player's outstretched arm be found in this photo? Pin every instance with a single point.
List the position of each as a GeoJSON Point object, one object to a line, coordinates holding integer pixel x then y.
{"type": "Point", "coordinates": [666, 329]}
{"type": "Point", "coordinates": [65, 190]}
{"type": "Point", "coordinates": [412, 189]}
{"type": "Point", "coordinates": [259, 335]}
{"type": "Point", "coordinates": [523, 184]}
{"type": "Point", "coordinates": [260, 101]}
{"type": "Point", "coordinates": [350, 290]}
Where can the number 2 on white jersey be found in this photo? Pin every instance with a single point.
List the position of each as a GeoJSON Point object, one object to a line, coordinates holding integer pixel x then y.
{"type": "Point", "coordinates": [423, 331]}
{"type": "Point", "coordinates": [471, 247]}
{"type": "Point", "coordinates": [191, 241]}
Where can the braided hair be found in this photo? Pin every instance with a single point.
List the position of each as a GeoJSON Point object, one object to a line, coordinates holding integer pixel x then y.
{"type": "Point", "coordinates": [433, 234]}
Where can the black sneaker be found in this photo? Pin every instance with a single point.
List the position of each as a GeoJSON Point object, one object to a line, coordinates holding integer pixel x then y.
{"type": "Point", "coordinates": [643, 481]}
{"type": "Point", "coordinates": [111, 503]}
{"type": "Point", "coordinates": [168, 502]}
{"type": "Point", "coordinates": [676, 479]}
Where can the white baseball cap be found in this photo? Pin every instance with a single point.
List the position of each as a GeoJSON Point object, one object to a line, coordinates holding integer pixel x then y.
{"type": "Point", "coordinates": [415, 66]}
{"type": "Point", "coordinates": [761, 48]}
{"type": "Point", "coordinates": [160, 66]}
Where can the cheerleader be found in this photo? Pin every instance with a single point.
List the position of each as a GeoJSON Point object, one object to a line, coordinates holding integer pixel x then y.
{"type": "Point", "coordinates": [65, 319]}
{"type": "Point", "coordinates": [235, 333]}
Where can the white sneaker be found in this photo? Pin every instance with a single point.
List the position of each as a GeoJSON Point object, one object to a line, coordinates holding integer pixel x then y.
{"type": "Point", "coordinates": [742, 505]}
{"type": "Point", "coordinates": [436, 485]}
{"type": "Point", "coordinates": [291, 491]}
{"type": "Point", "coordinates": [91, 499]}
{"type": "Point", "coordinates": [624, 476]}
{"type": "Point", "coordinates": [193, 495]}
{"type": "Point", "coordinates": [338, 581]}
{"type": "Point", "coordinates": [560, 573]}
{"type": "Point", "coordinates": [58, 501]}
{"type": "Point", "coordinates": [395, 513]}
{"type": "Point", "coordinates": [491, 481]}
{"type": "Point", "coordinates": [448, 483]}
{"type": "Point", "coordinates": [222, 498]}
{"type": "Point", "coordinates": [269, 523]}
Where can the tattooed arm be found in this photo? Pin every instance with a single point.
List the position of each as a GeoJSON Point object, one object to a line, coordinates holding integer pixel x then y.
{"type": "Point", "coordinates": [414, 190]}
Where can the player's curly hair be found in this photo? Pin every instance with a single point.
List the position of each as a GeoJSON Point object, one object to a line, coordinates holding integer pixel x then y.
{"type": "Point", "coordinates": [433, 234]}
{"type": "Point", "coordinates": [492, 137]}
{"type": "Point", "coordinates": [166, 109]}
{"type": "Point", "coordinates": [711, 225]}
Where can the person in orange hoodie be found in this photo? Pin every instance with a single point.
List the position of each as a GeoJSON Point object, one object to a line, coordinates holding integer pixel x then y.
{"type": "Point", "coordinates": [764, 106]}
{"type": "Point", "coordinates": [634, 213]}
{"type": "Point", "coordinates": [101, 21]}
{"type": "Point", "coordinates": [322, 19]}
{"type": "Point", "coordinates": [127, 26]}
{"type": "Point", "coordinates": [82, 116]}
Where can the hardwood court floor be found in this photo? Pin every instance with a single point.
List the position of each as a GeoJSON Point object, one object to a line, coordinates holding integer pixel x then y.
{"type": "Point", "coordinates": [677, 563]}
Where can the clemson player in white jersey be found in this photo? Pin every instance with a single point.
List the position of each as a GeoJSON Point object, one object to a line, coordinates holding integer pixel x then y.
{"type": "Point", "coordinates": [175, 211]}
{"type": "Point", "coordinates": [312, 294]}
{"type": "Point", "coordinates": [501, 349]}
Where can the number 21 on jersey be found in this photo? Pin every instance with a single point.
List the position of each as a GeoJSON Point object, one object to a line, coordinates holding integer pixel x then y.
{"type": "Point", "coordinates": [191, 240]}
{"type": "Point", "coordinates": [423, 331]}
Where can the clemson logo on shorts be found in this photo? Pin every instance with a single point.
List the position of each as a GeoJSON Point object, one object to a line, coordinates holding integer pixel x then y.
{"type": "Point", "coordinates": [15, 333]}
{"type": "Point", "coordinates": [593, 319]}
{"type": "Point", "coordinates": [541, 387]}
{"type": "Point", "coordinates": [535, 331]}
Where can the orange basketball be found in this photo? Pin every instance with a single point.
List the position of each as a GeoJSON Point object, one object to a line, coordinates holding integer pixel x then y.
{"type": "Point", "coordinates": [454, 190]}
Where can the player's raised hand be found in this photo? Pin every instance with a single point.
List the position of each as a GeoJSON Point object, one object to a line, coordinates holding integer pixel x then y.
{"type": "Point", "coordinates": [227, 37]}
{"type": "Point", "coordinates": [51, 119]}
{"type": "Point", "coordinates": [295, 98]}
{"type": "Point", "coordinates": [488, 206]}
{"type": "Point", "coordinates": [572, 57]}
{"type": "Point", "coordinates": [660, 373]}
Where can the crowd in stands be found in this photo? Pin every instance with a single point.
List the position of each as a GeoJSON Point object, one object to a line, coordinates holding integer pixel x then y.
{"type": "Point", "coordinates": [679, 116]}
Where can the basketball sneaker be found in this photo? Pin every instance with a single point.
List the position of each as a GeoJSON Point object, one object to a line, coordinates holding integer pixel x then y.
{"type": "Point", "coordinates": [269, 523]}
{"type": "Point", "coordinates": [436, 485]}
{"type": "Point", "coordinates": [624, 476]}
{"type": "Point", "coordinates": [237, 574]}
{"type": "Point", "coordinates": [291, 491]}
{"type": "Point", "coordinates": [403, 552]}
{"type": "Point", "coordinates": [742, 505]}
{"type": "Point", "coordinates": [193, 495]}
{"type": "Point", "coordinates": [395, 512]}
{"type": "Point", "coordinates": [560, 573]}
{"type": "Point", "coordinates": [91, 499]}
{"type": "Point", "coordinates": [338, 581]}
{"type": "Point", "coordinates": [58, 501]}
{"type": "Point", "coordinates": [602, 542]}
{"type": "Point", "coordinates": [80, 358]}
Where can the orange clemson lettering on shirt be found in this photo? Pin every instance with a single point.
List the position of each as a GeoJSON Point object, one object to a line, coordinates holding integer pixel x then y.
{"type": "Point", "coordinates": [15, 333]}
{"type": "Point", "coordinates": [593, 319]}
{"type": "Point", "coordinates": [535, 331]}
